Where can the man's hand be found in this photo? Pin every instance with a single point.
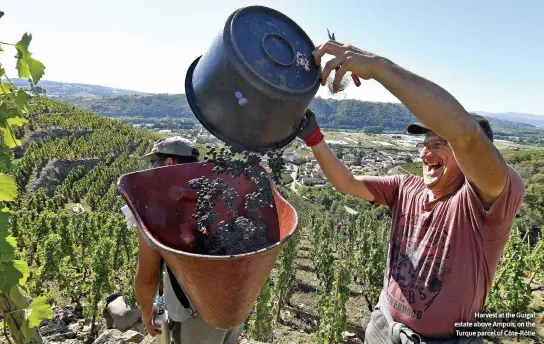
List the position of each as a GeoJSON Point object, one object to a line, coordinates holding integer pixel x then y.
{"type": "Point", "coordinates": [309, 125]}
{"type": "Point", "coordinates": [338, 174]}
{"type": "Point", "coordinates": [147, 317]}
{"type": "Point", "coordinates": [481, 163]}
{"type": "Point", "coordinates": [348, 58]}
{"type": "Point", "coordinates": [310, 132]}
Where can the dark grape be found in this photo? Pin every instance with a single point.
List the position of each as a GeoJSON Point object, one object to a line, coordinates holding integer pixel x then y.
{"type": "Point", "coordinates": [244, 234]}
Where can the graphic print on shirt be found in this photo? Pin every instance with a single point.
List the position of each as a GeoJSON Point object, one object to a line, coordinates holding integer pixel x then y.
{"type": "Point", "coordinates": [419, 259]}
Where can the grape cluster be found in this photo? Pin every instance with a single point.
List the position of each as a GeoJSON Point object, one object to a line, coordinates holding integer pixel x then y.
{"type": "Point", "coordinates": [207, 199]}
{"type": "Point", "coordinates": [230, 199]}
{"type": "Point", "coordinates": [254, 233]}
{"type": "Point", "coordinates": [262, 198]}
{"type": "Point", "coordinates": [224, 240]}
{"type": "Point", "coordinates": [276, 163]}
{"type": "Point", "coordinates": [244, 234]}
{"type": "Point", "coordinates": [224, 162]}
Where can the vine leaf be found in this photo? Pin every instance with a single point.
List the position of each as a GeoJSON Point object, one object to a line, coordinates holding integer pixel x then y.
{"type": "Point", "coordinates": [22, 267]}
{"type": "Point", "coordinates": [28, 332]}
{"type": "Point", "coordinates": [18, 297]}
{"type": "Point", "coordinates": [37, 311]}
{"type": "Point", "coordinates": [5, 214]}
{"type": "Point", "coordinates": [11, 276]}
{"type": "Point", "coordinates": [6, 88]}
{"type": "Point", "coordinates": [7, 246]}
{"type": "Point", "coordinates": [26, 65]}
{"type": "Point", "coordinates": [21, 99]}
{"type": "Point", "coordinates": [8, 188]}
{"type": "Point", "coordinates": [5, 156]}
{"type": "Point", "coordinates": [18, 121]}
{"type": "Point", "coordinates": [7, 116]}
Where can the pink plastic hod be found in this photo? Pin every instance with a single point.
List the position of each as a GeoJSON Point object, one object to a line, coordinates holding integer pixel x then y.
{"type": "Point", "coordinates": [222, 289]}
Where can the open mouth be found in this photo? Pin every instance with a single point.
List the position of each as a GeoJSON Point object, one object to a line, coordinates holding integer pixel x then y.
{"type": "Point", "coordinates": [433, 167]}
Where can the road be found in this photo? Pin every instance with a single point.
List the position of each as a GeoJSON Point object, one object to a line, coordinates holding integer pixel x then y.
{"type": "Point", "coordinates": [294, 175]}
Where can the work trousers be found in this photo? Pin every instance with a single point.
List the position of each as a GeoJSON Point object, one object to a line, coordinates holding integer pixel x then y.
{"type": "Point", "coordinates": [382, 329]}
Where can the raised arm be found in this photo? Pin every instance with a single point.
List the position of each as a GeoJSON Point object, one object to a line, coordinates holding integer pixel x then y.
{"type": "Point", "coordinates": [335, 171]}
{"type": "Point", "coordinates": [480, 161]}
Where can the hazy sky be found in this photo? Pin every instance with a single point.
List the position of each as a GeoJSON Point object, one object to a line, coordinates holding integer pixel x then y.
{"type": "Point", "coordinates": [488, 54]}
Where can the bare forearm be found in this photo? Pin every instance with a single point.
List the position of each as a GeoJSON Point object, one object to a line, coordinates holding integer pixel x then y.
{"type": "Point", "coordinates": [431, 104]}
{"type": "Point", "coordinates": [335, 171]}
{"type": "Point", "coordinates": [145, 288]}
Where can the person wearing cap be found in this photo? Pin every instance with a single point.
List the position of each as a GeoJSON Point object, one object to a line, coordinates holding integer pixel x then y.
{"type": "Point", "coordinates": [449, 227]}
{"type": "Point", "coordinates": [185, 325]}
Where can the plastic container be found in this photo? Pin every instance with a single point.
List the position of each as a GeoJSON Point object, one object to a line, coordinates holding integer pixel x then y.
{"type": "Point", "coordinates": [252, 87]}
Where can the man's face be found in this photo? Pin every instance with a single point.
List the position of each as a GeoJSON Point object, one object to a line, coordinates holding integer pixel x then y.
{"type": "Point", "coordinates": [157, 162]}
{"type": "Point", "coordinates": [440, 168]}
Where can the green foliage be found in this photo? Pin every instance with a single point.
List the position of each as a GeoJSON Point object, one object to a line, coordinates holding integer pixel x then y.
{"type": "Point", "coordinates": [27, 66]}
{"type": "Point", "coordinates": [511, 292]}
{"type": "Point", "coordinates": [371, 257]}
{"type": "Point", "coordinates": [14, 272]}
{"type": "Point", "coordinates": [286, 271]}
{"type": "Point", "coordinates": [38, 310]}
{"type": "Point", "coordinates": [61, 247]}
{"type": "Point", "coordinates": [160, 105]}
{"type": "Point", "coordinates": [262, 319]}
{"type": "Point", "coordinates": [332, 307]}
{"type": "Point", "coordinates": [322, 252]}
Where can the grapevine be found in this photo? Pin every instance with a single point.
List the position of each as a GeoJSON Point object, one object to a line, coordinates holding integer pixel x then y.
{"type": "Point", "coordinates": [286, 272]}
{"type": "Point", "coordinates": [510, 291]}
{"type": "Point", "coordinates": [21, 318]}
{"type": "Point", "coordinates": [332, 307]}
{"type": "Point", "coordinates": [262, 319]}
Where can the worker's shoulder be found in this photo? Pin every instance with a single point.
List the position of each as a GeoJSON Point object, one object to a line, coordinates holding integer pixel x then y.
{"type": "Point", "coordinates": [516, 181]}
{"type": "Point", "coordinates": [411, 182]}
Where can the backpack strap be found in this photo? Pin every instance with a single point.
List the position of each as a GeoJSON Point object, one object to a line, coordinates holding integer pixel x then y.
{"type": "Point", "coordinates": [182, 298]}
{"type": "Point", "coordinates": [161, 279]}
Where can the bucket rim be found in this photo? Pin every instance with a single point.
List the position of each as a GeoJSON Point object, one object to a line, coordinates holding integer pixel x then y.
{"type": "Point", "coordinates": [315, 85]}
{"type": "Point", "coordinates": [190, 95]}
{"type": "Point", "coordinates": [147, 233]}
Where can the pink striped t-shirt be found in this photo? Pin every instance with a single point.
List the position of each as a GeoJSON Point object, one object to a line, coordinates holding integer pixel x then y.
{"type": "Point", "coordinates": [443, 254]}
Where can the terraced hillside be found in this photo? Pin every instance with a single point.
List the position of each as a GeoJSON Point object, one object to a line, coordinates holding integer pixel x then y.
{"type": "Point", "coordinates": [73, 236]}
{"type": "Point", "coordinates": [68, 223]}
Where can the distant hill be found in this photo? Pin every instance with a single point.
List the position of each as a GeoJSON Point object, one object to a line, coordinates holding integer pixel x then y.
{"type": "Point", "coordinates": [331, 113]}
{"type": "Point", "coordinates": [144, 105]}
{"type": "Point", "coordinates": [57, 89]}
{"type": "Point", "coordinates": [536, 120]}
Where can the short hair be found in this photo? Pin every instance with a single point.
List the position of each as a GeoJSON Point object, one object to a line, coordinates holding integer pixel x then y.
{"type": "Point", "coordinates": [179, 159]}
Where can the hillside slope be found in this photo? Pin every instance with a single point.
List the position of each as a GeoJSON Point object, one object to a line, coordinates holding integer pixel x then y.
{"type": "Point", "coordinates": [67, 219]}
{"type": "Point", "coordinates": [71, 160]}
{"type": "Point", "coordinates": [537, 120]}
{"type": "Point", "coordinates": [56, 89]}
{"type": "Point", "coordinates": [331, 113]}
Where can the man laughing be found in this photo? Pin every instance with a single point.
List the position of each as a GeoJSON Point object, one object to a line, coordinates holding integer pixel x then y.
{"type": "Point", "coordinates": [449, 227]}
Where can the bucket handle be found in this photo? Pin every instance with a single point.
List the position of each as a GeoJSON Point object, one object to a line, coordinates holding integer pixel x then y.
{"type": "Point", "coordinates": [286, 42]}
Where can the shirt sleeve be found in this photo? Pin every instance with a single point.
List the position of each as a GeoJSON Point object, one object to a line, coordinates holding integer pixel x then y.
{"type": "Point", "coordinates": [131, 223]}
{"type": "Point", "coordinates": [385, 189]}
{"type": "Point", "coordinates": [500, 216]}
